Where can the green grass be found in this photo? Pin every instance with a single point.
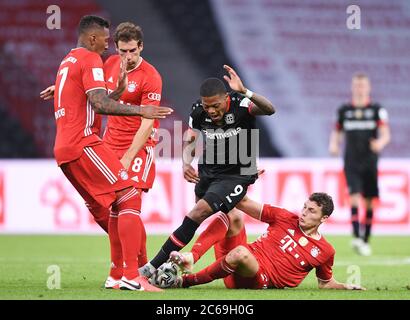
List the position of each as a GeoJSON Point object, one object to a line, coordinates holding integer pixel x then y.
{"type": "Point", "coordinates": [84, 264]}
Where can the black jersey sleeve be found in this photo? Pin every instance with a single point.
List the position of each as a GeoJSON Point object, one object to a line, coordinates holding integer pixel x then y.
{"type": "Point", "coordinates": [194, 117]}
{"type": "Point", "coordinates": [382, 116]}
{"type": "Point", "coordinates": [242, 104]}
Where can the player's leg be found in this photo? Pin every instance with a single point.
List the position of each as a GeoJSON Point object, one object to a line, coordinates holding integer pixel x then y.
{"type": "Point", "coordinates": [239, 261]}
{"type": "Point", "coordinates": [370, 191]}
{"type": "Point", "coordinates": [180, 237]}
{"type": "Point", "coordinates": [96, 183]}
{"type": "Point", "coordinates": [142, 255]}
{"type": "Point", "coordinates": [116, 271]}
{"type": "Point", "coordinates": [108, 221]}
{"type": "Point", "coordinates": [101, 215]}
{"type": "Point", "coordinates": [222, 194]}
{"type": "Point", "coordinates": [225, 194]}
{"type": "Point", "coordinates": [222, 226]}
{"type": "Point", "coordinates": [125, 202]}
{"type": "Point", "coordinates": [235, 236]}
{"type": "Point", "coordinates": [230, 191]}
{"type": "Point", "coordinates": [142, 171]}
{"type": "Point", "coordinates": [353, 180]}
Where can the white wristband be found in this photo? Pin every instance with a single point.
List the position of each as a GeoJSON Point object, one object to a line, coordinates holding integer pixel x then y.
{"type": "Point", "coordinates": [249, 94]}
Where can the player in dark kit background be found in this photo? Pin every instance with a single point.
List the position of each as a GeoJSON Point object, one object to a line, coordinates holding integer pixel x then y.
{"type": "Point", "coordinates": [225, 122]}
{"type": "Point", "coordinates": [365, 127]}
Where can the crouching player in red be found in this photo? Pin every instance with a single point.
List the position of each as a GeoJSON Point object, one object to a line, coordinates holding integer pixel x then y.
{"type": "Point", "coordinates": [282, 257]}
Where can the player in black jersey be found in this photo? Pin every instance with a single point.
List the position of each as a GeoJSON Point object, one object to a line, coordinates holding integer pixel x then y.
{"type": "Point", "coordinates": [226, 123]}
{"type": "Point", "coordinates": [364, 125]}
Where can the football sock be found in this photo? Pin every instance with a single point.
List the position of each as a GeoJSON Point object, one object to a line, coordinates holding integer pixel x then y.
{"type": "Point", "coordinates": [215, 232]}
{"type": "Point", "coordinates": [142, 255]}
{"type": "Point", "coordinates": [116, 270]}
{"type": "Point", "coordinates": [368, 225]}
{"type": "Point", "coordinates": [219, 269]}
{"type": "Point", "coordinates": [179, 239]}
{"type": "Point", "coordinates": [129, 230]}
{"type": "Point", "coordinates": [129, 226]}
{"type": "Point", "coordinates": [355, 222]}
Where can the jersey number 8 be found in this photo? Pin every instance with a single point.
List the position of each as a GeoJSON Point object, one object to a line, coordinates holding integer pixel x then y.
{"type": "Point", "coordinates": [136, 167]}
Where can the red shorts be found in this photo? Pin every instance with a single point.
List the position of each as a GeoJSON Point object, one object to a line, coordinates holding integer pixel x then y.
{"type": "Point", "coordinates": [235, 281]}
{"type": "Point", "coordinates": [97, 175]}
{"type": "Point", "coordinates": [142, 168]}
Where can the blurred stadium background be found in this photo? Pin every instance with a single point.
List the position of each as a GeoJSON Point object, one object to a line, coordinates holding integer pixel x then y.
{"type": "Point", "coordinates": [300, 54]}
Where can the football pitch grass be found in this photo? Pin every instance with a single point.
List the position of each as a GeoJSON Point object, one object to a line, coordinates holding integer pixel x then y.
{"type": "Point", "coordinates": [84, 262]}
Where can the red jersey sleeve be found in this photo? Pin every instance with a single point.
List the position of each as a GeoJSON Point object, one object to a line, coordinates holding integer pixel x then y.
{"type": "Point", "coordinates": [152, 89]}
{"type": "Point", "coordinates": [93, 73]}
{"type": "Point", "coordinates": [324, 272]}
{"type": "Point", "coordinates": [271, 214]}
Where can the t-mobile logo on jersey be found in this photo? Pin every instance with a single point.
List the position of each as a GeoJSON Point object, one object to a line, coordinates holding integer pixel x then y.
{"type": "Point", "coordinates": [288, 243]}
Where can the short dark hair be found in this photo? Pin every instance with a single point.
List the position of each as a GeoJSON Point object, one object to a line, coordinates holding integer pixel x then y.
{"type": "Point", "coordinates": [324, 201]}
{"type": "Point", "coordinates": [361, 75]}
{"type": "Point", "coordinates": [128, 31]}
{"type": "Point", "coordinates": [89, 22]}
{"type": "Point", "coordinates": [212, 87]}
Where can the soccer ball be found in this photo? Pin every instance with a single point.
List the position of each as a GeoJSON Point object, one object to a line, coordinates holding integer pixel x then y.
{"type": "Point", "coordinates": [165, 276]}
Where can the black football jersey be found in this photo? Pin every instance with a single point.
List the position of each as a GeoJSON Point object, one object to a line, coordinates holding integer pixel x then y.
{"type": "Point", "coordinates": [230, 148]}
{"type": "Point", "coordinates": [360, 125]}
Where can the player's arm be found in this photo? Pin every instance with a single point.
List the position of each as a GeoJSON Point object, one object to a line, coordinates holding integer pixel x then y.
{"type": "Point", "coordinates": [261, 105]}
{"type": "Point", "coordinates": [250, 207]}
{"type": "Point", "coordinates": [377, 145]}
{"type": "Point", "coordinates": [102, 104]}
{"type": "Point", "coordinates": [336, 138]}
{"type": "Point", "coordinates": [188, 155]}
{"type": "Point", "coordinates": [333, 284]}
{"type": "Point", "coordinates": [138, 142]}
{"type": "Point", "coordinates": [325, 271]}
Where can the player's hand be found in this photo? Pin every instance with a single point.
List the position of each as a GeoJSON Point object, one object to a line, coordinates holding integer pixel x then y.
{"type": "Point", "coordinates": [375, 145]}
{"type": "Point", "coordinates": [126, 161]}
{"type": "Point", "coordinates": [155, 112]}
{"type": "Point", "coordinates": [122, 82]}
{"type": "Point", "coordinates": [48, 93]}
{"type": "Point", "coordinates": [234, 81]}
{"type": "Point", "coordinates": [190, 174]}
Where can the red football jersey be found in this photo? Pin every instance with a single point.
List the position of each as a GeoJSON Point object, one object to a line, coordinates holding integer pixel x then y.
{"type": "Point", "coordinates": [144, 88]}
{"type": "Point", "coordinates": [77, 124]}
{"type": "Point", "coordinates": [286, 253]}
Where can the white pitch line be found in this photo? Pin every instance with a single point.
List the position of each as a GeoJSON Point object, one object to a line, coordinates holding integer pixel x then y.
{"type": "Point", "coordinates": [365, 261]}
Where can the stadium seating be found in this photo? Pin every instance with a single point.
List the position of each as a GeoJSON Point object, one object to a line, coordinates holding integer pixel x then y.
{"type": "Point", "coordinates": [29, 57]}
{"type": "Point", "coordinates": [304, 55]}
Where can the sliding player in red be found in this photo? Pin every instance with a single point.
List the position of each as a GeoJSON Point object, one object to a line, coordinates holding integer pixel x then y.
{"type": "Point", "coordinates": [282, 257]}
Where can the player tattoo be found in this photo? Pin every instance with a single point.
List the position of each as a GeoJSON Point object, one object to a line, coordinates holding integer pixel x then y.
{"type": "Point", "coordinates": [115, 95]}
{"type": "Point", "coordinates": [102, 104]}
